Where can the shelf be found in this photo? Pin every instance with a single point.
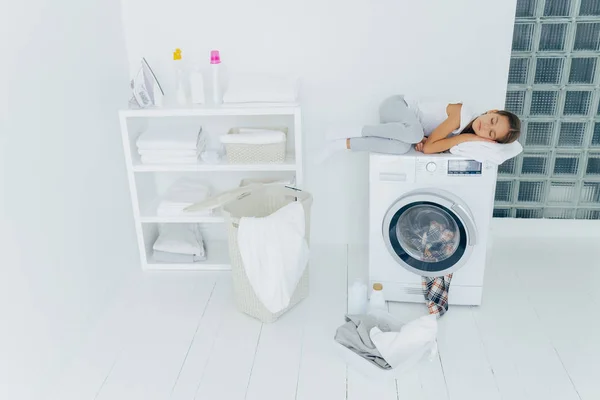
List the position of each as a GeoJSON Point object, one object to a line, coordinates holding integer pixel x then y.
{"type": "Point", "coordinates": [210, 110]}
{"type": "Point", "coordinates": [148, 215]}
{"type": "Point", "coordinates": [217, 260]}
{"type": "Point", "coordinates": [288, 165]}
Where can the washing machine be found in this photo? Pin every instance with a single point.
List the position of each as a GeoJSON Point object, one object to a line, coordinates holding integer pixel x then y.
{"type": "Point", "coordinates": [429, 215]}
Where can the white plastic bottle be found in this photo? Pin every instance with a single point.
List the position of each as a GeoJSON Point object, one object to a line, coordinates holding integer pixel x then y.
{"type": "Point", "coordinates": [357, 298]}
{"type": "Point", "coordinates": [197, 86]}
{"type": "Point", "coordinates": [180, 83]}
{"type": "Point", "coordinates": [215, 64]}
{"type": "Point", "coordinates": [377, 300]}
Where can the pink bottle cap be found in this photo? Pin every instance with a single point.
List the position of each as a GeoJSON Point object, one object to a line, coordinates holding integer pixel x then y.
{"type": "Point", "coordinates": [215, 58]}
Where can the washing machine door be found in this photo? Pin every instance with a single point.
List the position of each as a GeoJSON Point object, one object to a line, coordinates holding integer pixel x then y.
{"type": "Point", "coordinates": [430, 232]}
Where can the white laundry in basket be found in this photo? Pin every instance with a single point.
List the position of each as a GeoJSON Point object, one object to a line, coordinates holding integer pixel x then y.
{"type": "Point", "coordinates": [275, 253]}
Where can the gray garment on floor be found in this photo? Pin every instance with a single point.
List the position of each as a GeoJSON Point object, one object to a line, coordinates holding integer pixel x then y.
{"type": "Point", "coordinates": [379, 145]}
{"type": "Point", "coordinates": [397, 121]}
{"type": "Point", "coordinates": [354, 335]}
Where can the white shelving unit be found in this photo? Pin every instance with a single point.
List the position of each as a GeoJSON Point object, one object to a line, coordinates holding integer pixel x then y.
{"type": "Point", "coordinates": [147, 182]}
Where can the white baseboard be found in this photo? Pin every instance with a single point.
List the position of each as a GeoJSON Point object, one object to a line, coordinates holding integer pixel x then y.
{"type": "Point", "coordinates": [549, 228]}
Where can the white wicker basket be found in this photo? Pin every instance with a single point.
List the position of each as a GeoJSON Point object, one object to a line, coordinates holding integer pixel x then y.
{"type": "Point", "coordinates": [261, 203]}
{"type": "Point", "coordinates": [244, 153]}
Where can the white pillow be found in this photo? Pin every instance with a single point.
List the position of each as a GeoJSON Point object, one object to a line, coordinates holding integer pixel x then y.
{"type": "Point", "coordinates": [264, 88]}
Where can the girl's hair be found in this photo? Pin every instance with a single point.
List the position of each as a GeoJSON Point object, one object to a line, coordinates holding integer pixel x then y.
{"type": "Point", "coordinates": [514, 127]}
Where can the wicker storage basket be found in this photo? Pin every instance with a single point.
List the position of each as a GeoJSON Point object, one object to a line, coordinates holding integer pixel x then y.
{"type": "Point", "coordinates": [261, 203]}
{"type": "Point", "coordinates": [245, 153]}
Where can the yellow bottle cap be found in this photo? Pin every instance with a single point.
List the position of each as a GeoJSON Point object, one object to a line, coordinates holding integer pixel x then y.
{"type": "Point", "coordinates": [377, 286]}
{"type": "Point", "coordinates": [177, 54]}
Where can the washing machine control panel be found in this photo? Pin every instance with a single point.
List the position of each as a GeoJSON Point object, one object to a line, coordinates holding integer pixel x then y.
{"type": "Point", "coordinates": [439, 168]}
{"type": "Point", "coordinates": [464, 167]}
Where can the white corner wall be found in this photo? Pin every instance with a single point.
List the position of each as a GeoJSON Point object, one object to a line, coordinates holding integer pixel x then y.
{"type": "Point", "coordinates": [66, 232]}
{"type": "Point", "coordinates": [350, 54]}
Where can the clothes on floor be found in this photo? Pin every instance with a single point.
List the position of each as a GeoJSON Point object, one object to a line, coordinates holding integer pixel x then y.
{"type": "Point", "coordinates": [495, 153]}
{"type": "Point", "coordinates": [436, 292]}
{"type": "Point", "coordinates": [355, 335]}
{"type": "Point", "coordinates": [181, 194]}
{"type": "Point", "coordinates": [180, 239]}
{"type": "Point", "coordinates": [404, 348]}
{"type": "Point", "coordinates": [274, 253]}
{"type": "Point", "coordinates": [387, 343]}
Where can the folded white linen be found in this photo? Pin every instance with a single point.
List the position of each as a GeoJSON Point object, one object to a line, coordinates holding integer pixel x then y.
{"type": "Point", "coordinates": [168, 160]}
{"type": "Point", "coordinates": [176, 139]}
{"type": "Point", "coordinates": [493, 152]}
{"type": "Point", "coordinates": [274, 253]}
{"type": "Point", "coordinates": [181, 194]}
{"type": "Point", "coordinates": [261, 87]}
{"type": "Point", "coordinates": [259, 136]}
{"type": "Point", "coordinates": [169, 153]}
{"type": "Point", "coordinates": [180, 239]}
{"type": "Point", "coordinates": [165, 257]}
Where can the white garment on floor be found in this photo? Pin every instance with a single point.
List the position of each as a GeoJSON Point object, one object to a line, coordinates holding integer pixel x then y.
{"type": "Point", "coordinates": [408, 346]}
{"type": "Point", "coordinates": [258, 136]}
{"type": "Point", "coordinates": [180, 239]}
{"type": "Point", "coordinates": [181, 194]}
{"type": "Point", "coordinates": [496, 153]}
{"type": "Point", "coordinates": [274, 253]}
{"type": "Point", "coordinates": [176, 139]}
{"type": "Point", "coordinates": [168, 160]}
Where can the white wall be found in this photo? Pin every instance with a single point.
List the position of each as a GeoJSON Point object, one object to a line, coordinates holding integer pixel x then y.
{"type": "Point", "coordinates": [351, 55]}
{"type": "Point", "coordinates": [66, 233]}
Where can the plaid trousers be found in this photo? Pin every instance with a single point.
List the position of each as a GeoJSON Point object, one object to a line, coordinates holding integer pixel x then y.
{"type": "Point", "coordinates": [436, 293]}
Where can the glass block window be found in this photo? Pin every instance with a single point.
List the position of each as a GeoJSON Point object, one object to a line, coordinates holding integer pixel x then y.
{"type": "Point", "coordinates": [554, 87]}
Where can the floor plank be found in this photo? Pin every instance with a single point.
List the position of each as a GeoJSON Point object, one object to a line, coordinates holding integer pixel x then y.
{"type": "Point", "coordinates": [326, 310]}
{"type": "Point", "coordinates": [231, 358]}
{"type": "Point", "coordinates": [193, 368]}
{"type": "Point", "coordinates": [155, 349]}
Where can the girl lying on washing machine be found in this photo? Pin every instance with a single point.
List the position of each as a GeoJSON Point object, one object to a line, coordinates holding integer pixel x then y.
{"type": "Point", "coordinates": [431, 126]}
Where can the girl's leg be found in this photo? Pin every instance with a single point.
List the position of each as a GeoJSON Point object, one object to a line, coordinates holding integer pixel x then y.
{"type": "Point", "coordinates": [398, 122]}
{"type": "Point", "coordinates": [379, 145]}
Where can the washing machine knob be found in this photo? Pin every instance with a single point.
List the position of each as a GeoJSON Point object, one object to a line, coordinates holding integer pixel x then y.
{"type": "Point", "coordinates": [431, 167]}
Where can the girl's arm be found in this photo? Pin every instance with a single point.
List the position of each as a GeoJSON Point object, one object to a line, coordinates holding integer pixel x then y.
{"type": "Point", "coordinates": [439, 141]}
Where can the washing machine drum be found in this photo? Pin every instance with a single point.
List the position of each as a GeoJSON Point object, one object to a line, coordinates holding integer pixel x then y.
{"type": "Point", "coordinates": [429, 234]}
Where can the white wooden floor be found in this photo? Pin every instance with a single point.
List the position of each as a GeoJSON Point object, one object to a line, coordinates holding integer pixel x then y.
{"type": "Point", "coordinates": [179, 336]}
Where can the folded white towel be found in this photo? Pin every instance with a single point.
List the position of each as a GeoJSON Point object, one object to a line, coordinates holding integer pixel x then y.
{"type": "Point", "coordinates": [274, 254]}
{"type": "Point", "coordinates": [260, 87]}
{"type": "Point", "coordinates": [168, 160]}
{"type": "Point", "coordinates": [169, 153]}
{"type": "Point", "coordinates": [181, 194]}
{"type": "Point", "coordinates": [176, 139]}
{"type": "Point", "coordinates": [496, 153]}
{"type": "Point", "coordinates": [258, 136]}
{"type": "Point", "coordinates": [164, 257]}
{"type": "Point", "coordinates": [180, 239]}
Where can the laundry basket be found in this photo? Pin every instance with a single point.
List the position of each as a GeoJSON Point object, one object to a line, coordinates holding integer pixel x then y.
{"type": "Point", "coordinates": [262, 202]}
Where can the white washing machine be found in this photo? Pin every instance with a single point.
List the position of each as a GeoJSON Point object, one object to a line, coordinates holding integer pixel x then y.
{"type": "Point", "coordinates": [429, 215]}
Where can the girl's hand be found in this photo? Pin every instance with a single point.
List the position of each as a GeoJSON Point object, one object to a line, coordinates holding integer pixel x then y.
{"type": "Point", "coordinates": [471, 137]}
{"type": "Point", "coordinates": [419, 146]}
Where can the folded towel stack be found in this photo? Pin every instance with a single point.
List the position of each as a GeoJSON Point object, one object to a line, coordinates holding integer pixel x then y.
{"type": "Point", "coordinates": [183, 193]}
{"type": "Point", "coordinates": [179, 244]}
{"type": "Point", "coordinates": [170, 147]}
{"type": "Point", "coordinates": [254, 136]}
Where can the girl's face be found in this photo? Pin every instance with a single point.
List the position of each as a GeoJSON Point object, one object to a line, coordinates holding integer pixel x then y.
{"type": "Point", "coordinates": [491, 126]}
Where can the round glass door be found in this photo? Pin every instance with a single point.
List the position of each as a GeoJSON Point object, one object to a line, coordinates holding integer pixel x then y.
{"type": "Point", "coordinates": [426, 237]}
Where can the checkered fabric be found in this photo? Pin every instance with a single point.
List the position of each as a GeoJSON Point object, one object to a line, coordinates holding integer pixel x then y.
{"type": "Point", "coordinates": [436, 293]}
